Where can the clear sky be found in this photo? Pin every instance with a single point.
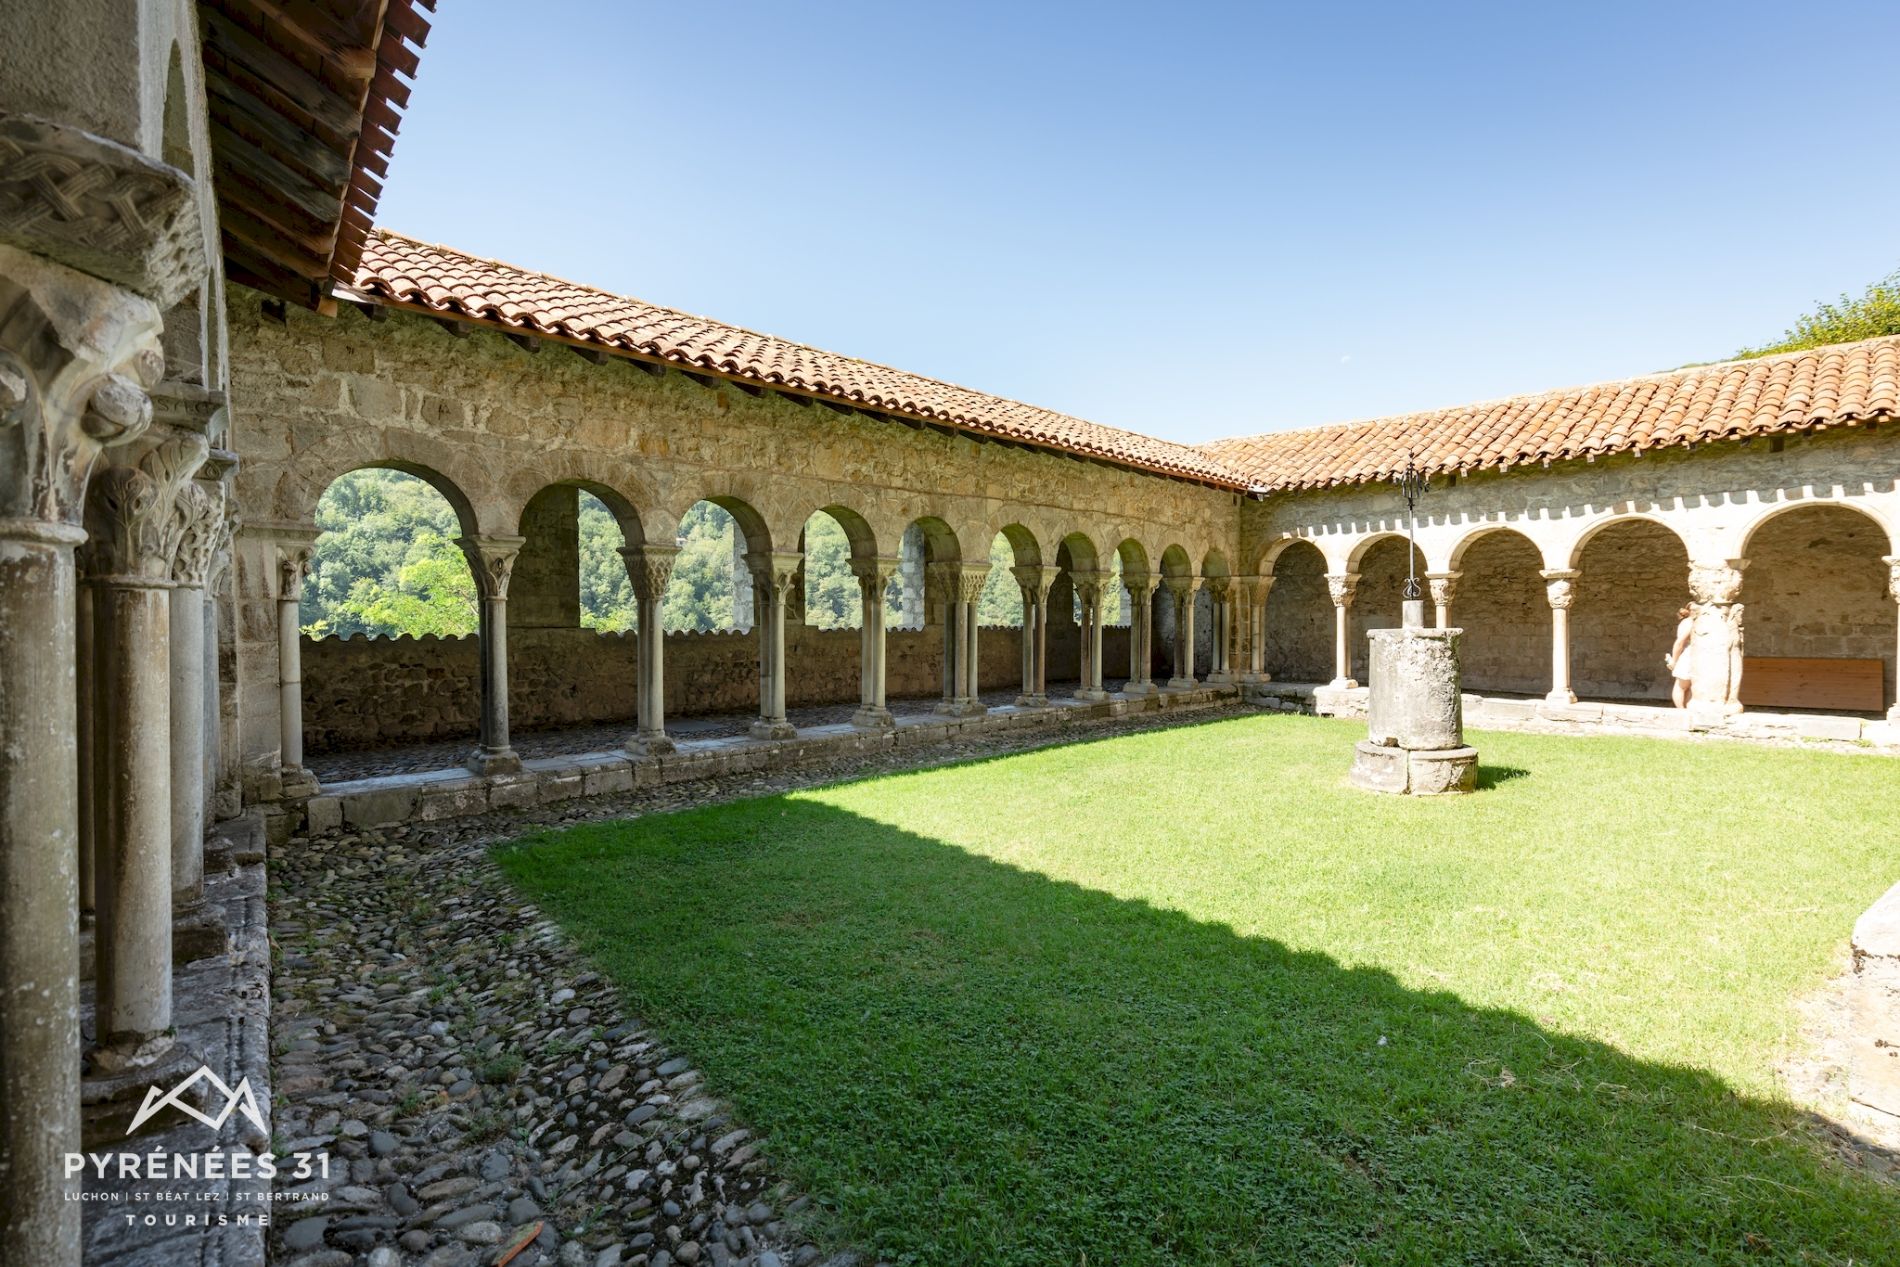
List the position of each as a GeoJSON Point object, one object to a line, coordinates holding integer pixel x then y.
{"type": "Point", "coordinates": [1193, 220]}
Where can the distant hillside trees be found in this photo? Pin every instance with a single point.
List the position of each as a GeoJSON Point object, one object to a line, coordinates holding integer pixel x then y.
{"type": "Point", "coordinates": [1851, 318]}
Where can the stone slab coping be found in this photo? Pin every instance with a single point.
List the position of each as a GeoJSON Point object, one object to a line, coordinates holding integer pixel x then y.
{"type": "Point", "coordinates": [1877, 931]}
{"type": "Point", "coordinates": [438, 794]}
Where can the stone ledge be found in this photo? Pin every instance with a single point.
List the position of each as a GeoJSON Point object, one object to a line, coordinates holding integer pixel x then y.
{"type": "Point", "coordinates": [442, 794]}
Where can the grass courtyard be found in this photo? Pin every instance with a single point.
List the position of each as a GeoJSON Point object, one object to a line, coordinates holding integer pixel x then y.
{"type": "Point", "coordinates": [1185, 997]}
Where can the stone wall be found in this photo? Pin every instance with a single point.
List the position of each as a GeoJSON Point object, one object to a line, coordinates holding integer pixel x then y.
{"type": "Point", "coordinates": [383, 692]}
{"type": "Point", "coordinates": [1634, 579]}
{"type": "Point", "coordinates": [1816, 586]}
{"type": "Point", "coordinates": [1299, 633]}
{"type": "Point", "coordinates": [1502, 607]}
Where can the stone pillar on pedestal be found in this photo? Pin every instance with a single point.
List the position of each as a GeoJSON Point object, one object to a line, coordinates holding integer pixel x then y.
{"type": "Point", "coordinates": [492, 560]}
{"type": "Point", "coordinates": [1221, 610]}
{"type": "Point", "coordinates": [1560, 587]}
{"type": "Point", "coordinates": [1257, 641]}
{"type": "Point", "coordinates": [198, 516]}
{"type": "Point", "coordinates": [1444, 587]}
{"type": "Point", "coordinates": [1182, 589]}
{"type": "Point", "coordinates": [1141, 627]}
{"type": "Point", "coordinates": [293, 562]}
{"type": "Point", "coordinates": [970, 579]}
{"type": "Point", "coordinates": [772, 579]}
{"type": "Point", "coordinates": [132, 520]}
{"type": "Point", "coordinates": [874, 579]}
{"type": "Point", "coordinates": [649, 568]}
{"type": "Point", "coordinates": [1341, 586]}
{"type": "Point", "coordinates": [1715, 649]}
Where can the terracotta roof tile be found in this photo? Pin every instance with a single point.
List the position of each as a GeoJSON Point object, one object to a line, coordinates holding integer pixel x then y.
{"type": "Point", "coordinates": [1840, 386]}
{"type": "Point", "coordinates": [437, 279]}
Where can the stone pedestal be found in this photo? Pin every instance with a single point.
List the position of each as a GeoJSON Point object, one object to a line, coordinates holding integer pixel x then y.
{"type": "Point", "coordinates": [1873, 1077]}
{"type": "Point", "coordinates": [1415, 716]}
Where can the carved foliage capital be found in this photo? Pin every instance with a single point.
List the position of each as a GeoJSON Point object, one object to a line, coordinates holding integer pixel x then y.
{"type": "Point", "coordinates": [197, 524]}
{"type": "Point", "coordinates": [293, 563]}
{"type": "Point", "coordinates": [1341, 587]}
{"type": "Point", "coordinates": [1560, 587]}
{"type": "Point", "coordinates": [492, 560]}
{"type": "Point", "coordinates": [970, 581]}
{"type": "Point", "coordinates": [132, 515]}
{"type": "Point", "coordinates": [1034, 580]}
{"type": "Point", "coordinates": [875, 574]}
{"type": "Point", "coordinates": [649, 568]}
{"type": "Point", "coordinates": [1893, 576]}
{"type": "Point", "coordinates": [1182, 587]}
{"type": "Point", "coordinates": [777, 571]}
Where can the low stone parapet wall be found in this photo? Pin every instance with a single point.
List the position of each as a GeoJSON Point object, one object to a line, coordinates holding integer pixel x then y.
{"type": "Point", "coordinates": [443, 794]}
{"type": "Point", "coordinates": [364, 692]}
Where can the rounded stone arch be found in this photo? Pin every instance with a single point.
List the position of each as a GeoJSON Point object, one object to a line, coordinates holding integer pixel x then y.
{"type": "Point", "coordinates": [1501, 604]}
{"type": "Point", "coordinates": [1574, 554]}
{"type": "Point", "coordinates": [940, 541]}
{"type": "Point", "coordinates": [752, 525]}
{"type": "Point", "coordinates": [1269, 557]}
{"type": "Point", "coordinates": [1356, 556]}
{"type": "Point", "coordinates": [1176, 561]}
{"type": "Point", "coordinates": [1298, 637]}
{"type": "Point", "coordinates": [1214, 562]}
{"type": "Point", "coordinates": [1134, 557]}
{"type": "Point", "coordinates": [618, 504]}
{"type": "Point", "coordinates": [1080, 547]}
{"type": "Point", "coordinates": [479, 508]}
{"type": "Point", "coordinates": [1022, 543]}
{"type": "Point", "coordinates": [857, 529]}
{"type": "Point", "coordinates": [1772, 513]}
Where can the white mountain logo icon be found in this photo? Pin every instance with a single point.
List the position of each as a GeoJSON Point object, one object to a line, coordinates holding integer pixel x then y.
{"type": "Point", "coordinates": [240, 1097]}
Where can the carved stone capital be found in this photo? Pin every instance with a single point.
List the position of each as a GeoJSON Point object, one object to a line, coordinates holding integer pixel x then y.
{"type": "Point", "coordinates": [649, 568]}
{"type": "Point", "coordinates": [1342, 587]}
{"type": "Point", "coordinates": [132, 512]}
{"type": "Point", "coordinates": [875, 574]}
{"type": "Point", "coordinates": [1091, 590]}
{"type": "Point", "coordinates": [777, 571]}
{"type": "Point", "coordinates": [1444, 586]}
{"type": "Point", "coordinates": [971, 578]}
{"type": "Point", "coordinates": [77, 356]}
{"type": "Point", "coordinates": [1217, 586]}
{"type": "Point", "coordinates": [198, 522]}
{"type": "Point", "coordinates": [1140, 585]}
{"type": "Point", "coordinates": [1034, 581]}
{"type": "Point", "coordinates": [492, 560]}
{"type": "Point", "coordinates": [1182, 587]}
{"type": "Point", "coordinates": [1716, 582]}
{"type": "Point", "coordinates": [293, 564]}
{"type": "Point", "coordinates": [99, 207]}
{"type": "Point", "coordinates": [187, 406]}
{"type": "Point", "coordinates": [1893, 576]}
{"type": "Point", "coordinates": [1560, 587]}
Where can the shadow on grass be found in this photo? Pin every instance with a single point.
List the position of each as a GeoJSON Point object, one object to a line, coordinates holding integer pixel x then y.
{"type": "Point", "coordinates": [1493, 775]}
{"type": "Point", "coordinates": [964, 1062]}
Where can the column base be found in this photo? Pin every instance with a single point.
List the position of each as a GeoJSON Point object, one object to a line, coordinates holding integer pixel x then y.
{"type": "Point", "coordinates": [873, 719]}
{"type": "Point", "coordinates": [123, 1076]}
{"type": "Point", "coordinates": [198, 932]}
{"type": "Point", "coordinates": [655, 745]}
{"type": "Point", "coordinates": [1220, 679]}
{"type": "Point", "coordinates": [763, 729]}
{"type": "Point", "coordinates": [1343, 684]}
{"type": "Point", "coordinates": [298, 783]}
{"type": "Point", "coordinates": [494, 761]}
{"type": "Point", "coordinates": [1032, 701]}
{"type": "Point", "coordinates": [962, 708]}
{"type": "Point", "coordinates": [1090, 695]}
{"type": "Point", "coordinates": [1563, 699]}
{"type": "Point", "coordinates": [1140, 690]}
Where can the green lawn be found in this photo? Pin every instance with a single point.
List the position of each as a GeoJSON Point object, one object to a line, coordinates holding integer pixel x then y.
{"type": "Point", "coordinates": [1185, 997]}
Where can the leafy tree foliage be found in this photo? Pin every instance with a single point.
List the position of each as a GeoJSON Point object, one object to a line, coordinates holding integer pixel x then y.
{"type": "Point", "coordinates": [1853, 317]}
{"type": "Point", "coordinates": [387, 562]}
{"type": "Point", "coordinates": [606, 593]}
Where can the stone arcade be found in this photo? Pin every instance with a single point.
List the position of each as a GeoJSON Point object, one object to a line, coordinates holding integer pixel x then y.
{"type": "Point", "coordinates": [200, 331]}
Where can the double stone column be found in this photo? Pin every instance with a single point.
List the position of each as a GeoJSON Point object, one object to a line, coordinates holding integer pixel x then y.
{"type": "Point", "coordinates": [874, 578]}
{"type": "Point", "coordinates": [492, 560]}
{"type": "Point", "coordinates": [1091, 593]}
{"type": "Point", "coordinates": [1253, 658]}
{"type": "Point", "coordinates": [649, 568]}
{"type": "Point", "coordinates": [960, 585]}
{"type": "Point", "coordinates": [1220, 591]}
{"type": "Point", "coordinates": [293, 564]}
{"type": "Point", "coordinates": [1444, 587]}
{"type": "Point", "coordinates": [1183, 589]}
{"type": "Point", "coordinates": [1341, 587]}
{"type": "Point", "coordinates": [773, 578]}
{"type": "Point", "coordinates": [1034, 582]}
{"type": "Point", "coordinates": [1141, 633]}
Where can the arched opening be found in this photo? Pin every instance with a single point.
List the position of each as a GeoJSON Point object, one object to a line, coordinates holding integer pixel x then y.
{"type": "Point", "coordinates": [1176, 566]}
{"type": "Point", "coordinates": [389, 654]}
{"type": "Point", "coordinates": [1379, 597]}
{"type": "Point", "coordinates": [1075, 553]}
{"type": "Point", "coordinates": [920, 647]}
{"type": "Point", "coordinates": [1632, 579]}
{"type": "Point", "coordinates": [715, 642]}
{"type": "Point", "coordinates": [1818, 616]}
{"type": "Point", "coordinates": [1299, 621]}
{"type": "Point", "coordinates": [1503, 607]}
{"type": "Point", "coordinates": [833, 537]}
{"type": "Point", "coordinates": [1138, 585]}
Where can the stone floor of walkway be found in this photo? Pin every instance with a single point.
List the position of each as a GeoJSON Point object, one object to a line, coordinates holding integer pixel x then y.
{"type": "Point", "coordinates": [369, 763]}
{"type": "Point", "coordinates": [482, 1090]}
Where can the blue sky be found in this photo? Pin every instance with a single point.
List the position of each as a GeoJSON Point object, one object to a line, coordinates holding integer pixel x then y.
{"type": "Point", "coordinates": [1189, 220]}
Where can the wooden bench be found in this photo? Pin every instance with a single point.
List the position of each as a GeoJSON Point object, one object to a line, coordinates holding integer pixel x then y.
{"type": "Point", "coordinates": [1849, 686]}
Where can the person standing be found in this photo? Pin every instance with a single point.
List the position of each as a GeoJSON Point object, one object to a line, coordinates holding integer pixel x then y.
{"type": "Point", "coordinates": [1678, 658]}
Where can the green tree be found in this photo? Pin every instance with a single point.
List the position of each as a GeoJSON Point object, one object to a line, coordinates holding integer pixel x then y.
{"type": "Point", "coordinates": [699, 597]}
{"type": "Point", "coordinates": [1853, 317]}
{"type": "Point", "coordinates": [831, 591]}
{"type": "Point", "coordinates": [606, 593]}
{"type": "Point", "coordinates": [386, 562]}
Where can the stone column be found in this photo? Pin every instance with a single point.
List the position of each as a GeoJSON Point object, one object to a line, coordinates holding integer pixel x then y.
{"type": "Point", "coordinates": [132, 518]}
{"type": "Point", "coordinates": [1220, 590]}
{"type": "Point", "coordinates": [1141, 621]}
{"type": "Point", "coordinates": [1182, 590]}
{"type": "Point", "coordinates": [1715, 648]}
{"type": "Point", "coordinates": [874, 578]}
{"type": "Point", "coordinates": [197, 931]}
{"type": "Point", "coordinates": [1342, 586]}
{"type": "Point", "coordinates": [77, 356]}
{"type": "Point", "coordinates": [1560, 586]}
{"type": "Point", "coordinates": [1893, 589]}
{"type": "Point", "coordinates": [1091, 592]}
{"type": "Point", "coordinates": [1034, 581]}
{"type": "Point", "coordinates": [940, 586]}
{"type": "Point", "coordinates": [293, 562]}
{"type": "Point", "coordinates": [649, 568]}
{"type": "Point", "coordinates": [772, 579]}
{"type": "Point", "coordinates": [1444, 588]}
{"type": "Point", "coordinates": [1257, 647]}
{"type": "Point", "coordinates": [970, 581]}
{"type": "Point", "coordinates": [492, 560]}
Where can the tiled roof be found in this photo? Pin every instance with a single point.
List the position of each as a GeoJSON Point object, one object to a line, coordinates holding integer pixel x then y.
{"type": "Point", "coordinates": [399, 270]}
{"type": "Point", "coordinates": [1840, 386]}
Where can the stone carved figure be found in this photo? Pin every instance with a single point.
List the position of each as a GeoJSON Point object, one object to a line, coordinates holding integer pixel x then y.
{"type": "Point", "coordinates": [1677, 661]}
{"type": "Point", "coordinates": [1714, 652]}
